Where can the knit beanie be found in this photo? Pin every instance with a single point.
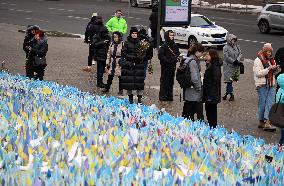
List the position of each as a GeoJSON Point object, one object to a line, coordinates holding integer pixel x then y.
{"type": "Point", "coordinates": [133, 29]}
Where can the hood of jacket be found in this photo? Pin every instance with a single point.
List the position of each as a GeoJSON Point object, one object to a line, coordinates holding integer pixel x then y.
{"type": "Point", "coordinates": [42, 40]}
{"type": "Point", "coordinates": [280, 81]}
{"type": "Point", "coordinates": [230, 38]}
{"type": "Point", "coordinates": [167, 38]}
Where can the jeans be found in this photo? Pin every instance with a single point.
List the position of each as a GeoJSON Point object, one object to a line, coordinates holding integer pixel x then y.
{"type": "Point", "coordinates": [229, 88]}
{"type": "Point", "coordinates": [281, 142]}
{"type": "Point", "coordinates": [193, 107]}
{"type": "Point", "coordinates": [266, 98]}
{"type": "Point", "coordinates": [100, 70]}
{"type": "Point", "coordinates": [145, 68]}
{"type": "Point", "coordinates": [139, 92]}
{"type": "Point", "coordinates": [211, 114]}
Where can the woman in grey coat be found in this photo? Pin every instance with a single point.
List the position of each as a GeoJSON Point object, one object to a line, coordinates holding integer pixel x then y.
{"type": "Point", "coordinates": [193, 95]}
{"type": "Point", "coordinates": [232, 58]}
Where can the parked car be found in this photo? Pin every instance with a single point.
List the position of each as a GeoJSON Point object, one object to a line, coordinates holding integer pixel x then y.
{"type": "Point", "coordinates": [200, 30]}
{"type": "Point", "coordinates": [135, 3]}
{"type": "Point", "coordinates": [271, 17]}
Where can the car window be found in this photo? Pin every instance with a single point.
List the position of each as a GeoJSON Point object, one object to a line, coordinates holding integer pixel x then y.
{"type": "Point", "coordinates": [200, 21]}
{"type": "Point", "coordinates": [282, 9]}
{"type": "Point", "coordinates": [274, 8]}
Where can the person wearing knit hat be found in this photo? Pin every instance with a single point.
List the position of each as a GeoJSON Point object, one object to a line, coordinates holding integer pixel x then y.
{"type": "Point", "coordinates": [265, 69]}
{"type": "Point", "coordinates": [132, 67]}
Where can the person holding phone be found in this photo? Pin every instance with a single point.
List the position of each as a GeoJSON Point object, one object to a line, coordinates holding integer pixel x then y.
{"type": "Point", "coordinates": [265, 69]}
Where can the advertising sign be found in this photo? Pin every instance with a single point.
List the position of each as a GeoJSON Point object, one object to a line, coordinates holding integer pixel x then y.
{"type": "Point", "coordinates": [175, 12]}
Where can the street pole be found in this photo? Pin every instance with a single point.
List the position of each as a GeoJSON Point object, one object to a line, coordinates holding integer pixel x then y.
{"type": "Point", "coordinates": [159, 24]}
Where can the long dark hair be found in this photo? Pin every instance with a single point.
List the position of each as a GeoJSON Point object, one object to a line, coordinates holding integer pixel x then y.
{"type": "Point", "coordinates": [197, 47]}
{"type": "Point", "coordinates": [214, 55]}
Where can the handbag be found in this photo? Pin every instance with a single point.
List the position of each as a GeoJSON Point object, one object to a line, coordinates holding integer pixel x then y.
{"type": "Point", "coordinates": [40, 61]}
{"type": "Point", "coordinates": [276, 114]}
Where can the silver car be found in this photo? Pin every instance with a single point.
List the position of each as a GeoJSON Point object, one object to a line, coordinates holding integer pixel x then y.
{"type": "Point", "coordinates": [271, 17]}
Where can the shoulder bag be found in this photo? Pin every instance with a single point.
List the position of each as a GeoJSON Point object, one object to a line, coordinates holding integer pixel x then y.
{"type": "Point", "coordinates": [276, 114]}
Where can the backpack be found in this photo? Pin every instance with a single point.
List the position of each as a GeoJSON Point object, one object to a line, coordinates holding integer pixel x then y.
{"type": "Point", "coordinates": [183, 75]}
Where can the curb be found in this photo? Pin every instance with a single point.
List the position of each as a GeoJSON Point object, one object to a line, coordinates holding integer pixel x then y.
{"type": "Point", "coordinates": [241, 11]}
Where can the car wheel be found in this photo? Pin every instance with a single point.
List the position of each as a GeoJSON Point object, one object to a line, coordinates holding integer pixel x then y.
{"type": "Point", "coordinates": [220, 47]}
{"type": "Point", "coordinates": [133, 3]}
{"type": "Point", "coordinates": [191, 41]}
{"type": "Point", "coordinates": [263, 26]}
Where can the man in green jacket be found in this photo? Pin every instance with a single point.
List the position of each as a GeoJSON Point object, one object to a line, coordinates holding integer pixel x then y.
{"type": "Point", "coordinates": [117, 23]}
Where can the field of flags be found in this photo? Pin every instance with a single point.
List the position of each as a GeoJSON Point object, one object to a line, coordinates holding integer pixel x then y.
{"type": "Point", "coordinates": [57, 135]}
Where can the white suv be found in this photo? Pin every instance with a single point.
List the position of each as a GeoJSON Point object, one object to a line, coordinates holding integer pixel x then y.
{"type": "Point", "coordinates": [271, 17]}
{"type": "Point", "coordinates": [200, 30]}
{"type": "Point", "coordinates": [135, 3]}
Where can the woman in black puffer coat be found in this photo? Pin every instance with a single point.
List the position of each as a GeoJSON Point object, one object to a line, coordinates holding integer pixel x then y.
{"type": "Point", "coordinates": [212, 86]}
{"type": "Point", "coordinates": [132, 67]}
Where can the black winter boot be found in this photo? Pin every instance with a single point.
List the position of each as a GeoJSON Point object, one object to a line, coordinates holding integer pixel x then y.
{"type": "Point", "coordinates": [130, 97]}
{"type": "Point", "coordinates": [232, 97]}
{"type": "Point", "coordinates": [139, 98]}
{"type": "Point", "coordinates": [225, 96]}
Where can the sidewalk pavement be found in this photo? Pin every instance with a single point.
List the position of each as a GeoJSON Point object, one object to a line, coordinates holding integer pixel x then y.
{"type": "Point", "coordinates": [67, 56]}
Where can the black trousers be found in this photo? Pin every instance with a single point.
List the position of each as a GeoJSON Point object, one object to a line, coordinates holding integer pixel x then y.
{"type": "Point", "coordinates": [193, 107]}
{"type": "Point", "coordinates": [167, 83]}
{"type": "Point", "coordinates": [211, 114]}
{"type": "Point", "coordinates": [109, 82]}
{"type": "Point", "coordinates": [91, 55]}
{"type": "Point", "coordinates": [100, 70]}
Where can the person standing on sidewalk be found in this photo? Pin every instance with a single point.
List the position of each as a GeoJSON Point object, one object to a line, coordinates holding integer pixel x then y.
{"type": "Point", "coordinates": [30, 33]}
{"type": "Point", "coordinates": [168, 55]}
{"type": "Point", "coordinates": [212, 86]}
{"type": "Point", "coordinates": [153, 24]}
{"type": "Point", "coordinates": [113, 61]}
{"type": "Point", "coordinates": [232, 57]}
{"type": "Point", "coordinates": [117, 23]}
{"type": "Point", "coordinates": [280, 95]}
{"type": "Point", "coordinates": [100, 45]}
{"type": "Point", "coordinates": [146, 43]}
{"type": "Point", "coordinates": [92, 29]}
{"type": "Point", "coordinates": [193, 95]}
{"type": "Point", "coordinates": [265, 69]}
{"type": "Point", "coordinates": [39, 49]}
{"type": "Point", "coordinates": [132, 67]}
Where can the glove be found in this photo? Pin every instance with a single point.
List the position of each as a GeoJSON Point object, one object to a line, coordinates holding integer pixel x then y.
{"type": "Point", "coordinates": [236, 62]}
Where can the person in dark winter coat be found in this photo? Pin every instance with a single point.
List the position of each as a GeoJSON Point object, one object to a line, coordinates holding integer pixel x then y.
{"type": "Point", "coordinates": [147, 46]}
{"type": "Point", "coordinates": [100, 48]}
{"type": "Point", "coordinates": [132, 67]}
{"type": "Point", "coordinates": [193, 95]}
{"type": "Point", "coordinates": [212, 86]}
{"type": "Point", "coordinates": [279, 58]}
{"type": "Point", "coordinates": [38, 48]}
{"type": "Point", "coordinates": [232, 57]}
{"type": "Point", "coordinates": [153, 24]}
{"type": "Point", "coordinates": [169, 56]}
{"type": "Point", "coordinates": [92, 29]}
{"type": "Point", "coordinates": [113, 61]}
{"type": "Point", "coordinates": [30, 33]}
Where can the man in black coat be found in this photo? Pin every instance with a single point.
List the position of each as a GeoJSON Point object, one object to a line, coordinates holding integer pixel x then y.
{"type": "Point", "coordinates": [168, 55]}
{"type": "Point", "coordinates": [100, 45]}
{"type": "Point", "coordinates": [153, 24]}
{"type": "Point", "coordinates": [30, 33]}
{"type": "Point", "coordinates": [132, 67]}
{"type": "Point", "coordinates": [92, 29]}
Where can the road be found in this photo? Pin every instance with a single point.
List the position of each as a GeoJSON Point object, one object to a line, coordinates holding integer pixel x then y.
{"type": "Point", "coordinates": [73, 15]}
